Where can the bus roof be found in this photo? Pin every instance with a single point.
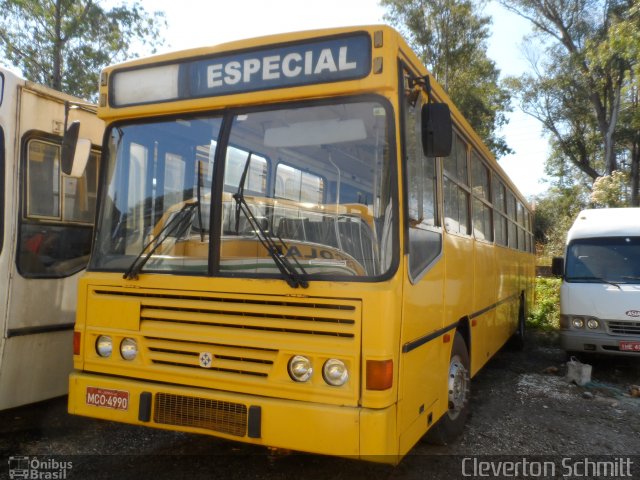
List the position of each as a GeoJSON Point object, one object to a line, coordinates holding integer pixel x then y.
{"type": "Point", "coordinates": [605, 222]}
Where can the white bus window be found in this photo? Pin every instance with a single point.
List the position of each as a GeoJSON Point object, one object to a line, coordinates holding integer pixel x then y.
{"type": "Point", "coordinates": [256, 178]}
{"type": "Point", "coordinates": [43, 179]}
{"type": "Point", "coordinates": [174, 173]}
{"type": "Point", "coordinates": [136, 194]}
{"type": "Point", "coordinates": [294, 184]}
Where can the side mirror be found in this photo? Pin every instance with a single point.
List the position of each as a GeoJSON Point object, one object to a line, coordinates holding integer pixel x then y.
{"type": "Point", "coordinates": [557, 266]}
{"type": "Point", "coordinates": [75, 151]}
{"type": "Point", "coordinates": [437, 130]}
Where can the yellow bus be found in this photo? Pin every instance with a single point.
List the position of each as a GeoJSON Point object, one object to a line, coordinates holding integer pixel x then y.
{"type": "Point", "coordinates": [46, 223]}
{"type": "Point", "coordinates": [300, 244]}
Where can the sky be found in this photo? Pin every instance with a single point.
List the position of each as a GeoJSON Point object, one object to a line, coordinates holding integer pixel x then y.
{"type": "Point", "coordinates": [195, 23]}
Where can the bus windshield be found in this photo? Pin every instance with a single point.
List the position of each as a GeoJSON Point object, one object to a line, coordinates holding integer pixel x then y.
{"type": "Point", "coordinates": [607, 259]}
{"type": "Point", "coordinates": [317, 179]}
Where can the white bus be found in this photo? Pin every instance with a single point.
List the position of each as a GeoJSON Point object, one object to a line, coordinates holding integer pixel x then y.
{"type": "Point", "coordinates": [46, 221]}
{"type": "Point", "coordinates": [600, 293]}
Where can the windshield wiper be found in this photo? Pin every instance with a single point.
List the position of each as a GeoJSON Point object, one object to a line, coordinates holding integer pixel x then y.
{"type": "Point", "coordinates": [176, 226]}
{"type": "Point", "coordinates": [289, 272]}
{"type": "Point", "coordinates": [595, 279]}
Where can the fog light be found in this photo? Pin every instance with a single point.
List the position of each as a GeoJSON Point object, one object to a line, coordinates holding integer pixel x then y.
{"type": "Point", "coordinates": [104, 346]}
{"type": "Point", "coordinates": [335, 372]}
{"type": "Point", "coordinates": [300, 368]}
{"type": "Point", "coordinates": [592, 323]}
{"type": "Point", "coordinates": [577, 322]}
{"type": "Point", "coordinates": [128, 349]}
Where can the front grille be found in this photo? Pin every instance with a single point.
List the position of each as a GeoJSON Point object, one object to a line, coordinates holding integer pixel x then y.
{"type": "Point", "coordinates": [623, 328]}
{"type": "Point", "coordinates": [225, 358]}
{"type": "Point", "coordinates": [241, 334]}
{"type": "Point", "coordinates": [180, 410]}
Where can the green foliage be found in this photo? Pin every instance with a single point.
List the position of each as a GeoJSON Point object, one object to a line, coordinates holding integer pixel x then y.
{"type": "Point", "coordinates": [555, 213]}
{"type": "Point", "coordinates": [64, 44]}
{"type": "Point", "coordinates": [546, 312]}
{"type": "Point", "coordinates": [450, 36]}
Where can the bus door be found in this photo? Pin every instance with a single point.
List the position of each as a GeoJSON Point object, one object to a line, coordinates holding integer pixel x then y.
{"type": "Point", "coordinates": [421, 367]}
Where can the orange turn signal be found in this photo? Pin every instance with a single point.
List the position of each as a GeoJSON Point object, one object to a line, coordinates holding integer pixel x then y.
{"type": "Point", "coordinates": [76, 342]}
{"type": "Point", "coordinates": [379, 374]}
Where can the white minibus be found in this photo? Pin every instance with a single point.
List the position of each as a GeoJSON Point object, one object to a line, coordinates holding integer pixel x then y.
{"type": "Point", "coordinates": [600, 292]}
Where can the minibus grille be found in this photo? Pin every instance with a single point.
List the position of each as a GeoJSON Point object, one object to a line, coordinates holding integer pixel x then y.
{"type": "Point", "coordinates": [185, 411]}
{"type": "Point", "coordinates": [624, 328]}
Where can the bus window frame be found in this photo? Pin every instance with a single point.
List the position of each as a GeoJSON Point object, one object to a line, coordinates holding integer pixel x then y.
{"type": "Point", "coordinates": [485, 200]}
{"type": "Point", "coordinates": [459, 184]}
{"type": "Point", "coordinates": [219, 170]}
{"type": "Point", "coordinates": [404, 73]}
{"type": "Point", "coordinates": [46, 221]}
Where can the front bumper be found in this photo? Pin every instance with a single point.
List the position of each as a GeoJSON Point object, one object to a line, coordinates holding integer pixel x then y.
{"type": "Point", "coordinates": [303, 426]}
{"type": "Point", "coordinates": [597, 342]}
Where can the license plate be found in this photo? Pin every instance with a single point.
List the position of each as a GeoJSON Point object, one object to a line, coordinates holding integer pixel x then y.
{"type": "Point", "coordinates": [104, 397]}
{"type": "Point", "coordinates": [630, 346]}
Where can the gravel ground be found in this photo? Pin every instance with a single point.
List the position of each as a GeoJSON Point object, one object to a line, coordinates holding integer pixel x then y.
{"type": "Point", "coordinates": [522, 407]}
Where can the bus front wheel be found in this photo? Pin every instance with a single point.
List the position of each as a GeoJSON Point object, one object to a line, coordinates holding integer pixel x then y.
{"type": "Point", "coordinates": [451, 425]}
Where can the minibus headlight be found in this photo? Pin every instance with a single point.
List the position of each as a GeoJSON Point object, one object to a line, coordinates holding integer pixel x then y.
{"type": "Point", "coordinates": [335, 372]}
{"type": "Point", "coordinates": [592, 323]}
{"type": "Point", "coordinates": [577, 322]}
{"type": "Point", "coordinates": [128, 349]}
{"type": "Point", "coordinates": [104, 346]}
{"type": "Point", "coordinates": [300, 369]}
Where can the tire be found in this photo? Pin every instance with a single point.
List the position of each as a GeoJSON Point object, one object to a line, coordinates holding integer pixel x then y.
{"type": "Point", "coordinates": [451, 424]}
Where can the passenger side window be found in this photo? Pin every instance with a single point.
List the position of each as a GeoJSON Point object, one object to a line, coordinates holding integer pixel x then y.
{"type": "Point", "coordinates": [456, 189]}
{"type": "Point", "coordinates": [482, 212]}
{"type": "Point", "coordinates": [500, 211]}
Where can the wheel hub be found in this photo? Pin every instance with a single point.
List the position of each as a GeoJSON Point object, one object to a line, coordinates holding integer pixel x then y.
{"type": "Point", "coordinates": [458, 387]}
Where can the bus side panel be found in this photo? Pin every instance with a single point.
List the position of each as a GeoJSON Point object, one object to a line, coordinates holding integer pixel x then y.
{"type": "Point", "coordinates": [423, 368]}
{"type": "Point", "coordinates": [459, 282]}
{"type": "Point", "coordinates": [483, 324]}
{"type": "Point", "coordinates": [508, 288]}
{"type": "Point", "coordinates": [35, 367]}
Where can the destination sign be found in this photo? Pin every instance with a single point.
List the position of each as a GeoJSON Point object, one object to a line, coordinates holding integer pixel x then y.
{"type": "Point", "coordinates": [324, 60]}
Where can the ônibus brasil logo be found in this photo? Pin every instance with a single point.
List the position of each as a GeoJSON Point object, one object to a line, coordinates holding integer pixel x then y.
{"type": "Point", "coordinates": [633, 313]}
{"type": "Point", "coordinates": [21, 466]}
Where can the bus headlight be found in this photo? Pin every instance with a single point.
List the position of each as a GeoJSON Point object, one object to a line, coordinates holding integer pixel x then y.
{"type": "Point", "coordinates": [592, 323]}
{"type": "Point", "coordinates": [128, 349]}
{"type": "Point", "coordinates": [300, 369]}
{"type": "Point", "coordinates": [104, 346]}
{"type": "Point", "coordinates": [577, 322]}
{"type": "Point", "coordinates": [335, 372]}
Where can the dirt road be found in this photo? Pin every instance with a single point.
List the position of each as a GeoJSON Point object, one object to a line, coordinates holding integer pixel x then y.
{"type": "Point", "coordinates": [518, 410]}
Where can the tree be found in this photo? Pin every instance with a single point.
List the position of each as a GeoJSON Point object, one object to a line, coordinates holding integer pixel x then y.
{"type": "Point", "coordinates": [450, 37]}
{"type": "Point", "coordinates": [64, 44]}
{"type": "Point", "coordinates": [580, 91]}
{"type": "Point", "coordinates": [609, 191]}
{"type": "Point", "coordinates": [556, 211]}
